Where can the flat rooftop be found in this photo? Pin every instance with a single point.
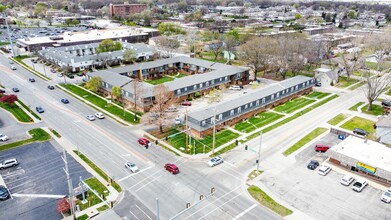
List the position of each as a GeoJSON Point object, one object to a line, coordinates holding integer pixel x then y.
{"type": "Point", "coordinates": [370, 152]}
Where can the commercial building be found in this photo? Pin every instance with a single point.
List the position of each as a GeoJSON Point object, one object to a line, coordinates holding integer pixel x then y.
{"type": "Point", "coordinates": [81, 57]}
{"type": "Point", "coordinates": [130, 35]}
{"type": "Point", "coordinates": [125, 10]}
{"type": "Point", "coordinates": [363, 156]}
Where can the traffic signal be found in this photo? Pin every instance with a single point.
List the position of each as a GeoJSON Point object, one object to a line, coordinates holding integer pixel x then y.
{"type": "Point", "coordinates": [201, 197]}
{"type": "Point", "coordinates": [212, 190]}
{"type": "Point", "coordinates": [188, 205]}
{"type": "Point", "coordinates": [257, 161]}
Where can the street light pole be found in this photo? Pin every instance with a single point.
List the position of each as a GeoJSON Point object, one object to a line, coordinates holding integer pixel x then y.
{"type": "Point", "coordinates": [157, 209]}
{"type": "Point", "coordinates": [214, 131]}
{"type": "Point", "coordinates": [9, 37]}
{"type": "Point", "coordinates": [259, 151]}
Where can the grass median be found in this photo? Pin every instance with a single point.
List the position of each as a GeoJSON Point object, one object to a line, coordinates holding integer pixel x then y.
{"type": "Point", "coordinates": [29, 110]}
{"type": "Point", "coordinates": [16, 111]}
{"type": "Point", "coordinates": [101, 103]}
{"type": "Point", "coordinates": [267, 201]}
{"type": "Point", "coordinates": [309, 137]}
{"type": "Point", "coordinates": [337, 119]}
{"type": "Point", "coordinates": [98, 170]}
{"type": "Point", "coordinates": [37, 135]}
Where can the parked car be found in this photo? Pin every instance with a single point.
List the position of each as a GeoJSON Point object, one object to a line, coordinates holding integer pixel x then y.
{"type": "Point", "coordinates": [386, 197]}
{"type": "Point", "coordinates": [8, 163]}
{"type": "Point", "coordinates": [171, 109]}
{"type": "Point", "coordinates": [15, 89]}
{"type": "Point", "coordinates": [34, 61]}
{"type": "Point", "coordinates": [360, 131]}
{"type": "Point", "coordinates": [235, 88]}
{"type": "Point", "coordinates": [52, 70]}
{"type": "Point", "coordinates": [171, 168]}
{"type": "Point", "coordinates": [80, 74]}
{"type": "Point", "coordinates": [11, 62]}
{"type": "Point", "coordinates": [13, 67]}
{"type": "Point", "coordinates": [346, 180]}
{"type": "Point", "coordinates": [3, 137]}
{"type": "Point", "coordinates": [2, 91]}
{"type": "Point", "coordinates": [4, 193]}
{"type": "Point", "coordinates": [186, 103]}
{"type": "Point", "coordinates": [39, 109]}
{"type": "Point", "coordinates": [100, 115]}
{"type": "Point", "coordinates": [90, 117]}
{"type": "Point", "coordinates": [386, 103]}
{"type": "Point", "coordinates": [178, 121]}
{"type": "Point", "coordinates": [324, 170]}
{"type": "Point", "coordinates": [313, 165]}
{"type": "Point", "coordinates": [131, 166]}
{"type": "Point", "coordinates": [215, 161]}
{"type": "Point", "coordinates": [360, 184]}
{"type": "Point", "coordinates": [70, 75]}
{"type": "Point", "coordinates": [143, 141]}
{"type": "Point", "coordinates": [31, 79]}
{"type": "Point", "coordinates": [321, 148]}
{"type": "Point", "coordinates": [318, 83]}
{"type": "Point", "coordinates": [50, 87]}
{"type": "Point", "coordinates": [65, 101]}
{"type": "Point", "coordinates": [60, 75]}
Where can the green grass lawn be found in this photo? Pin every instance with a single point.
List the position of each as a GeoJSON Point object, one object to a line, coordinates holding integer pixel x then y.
{"type": "Point", "coordinates": [293, 105]}
{"type": "Point", "coordinates": [29, 110]}
{"type": "Point", "coordinates": [376, 110]}
{"type": "Point", "coordinates": [97, 169]}
{"type": "Point", "coordinates": [389, 92]}
{"type": "Point", "coordinates": [16, 111]}
{"type": "Point", "coordinates": [101, 103]}
{"type": "Point", "coordinates": [267, 201]}
{"type": "Point", "coordinates": [180, 75]}
{"type": "Point", "coordinates": [258, 121]}
{"type": "Point", "coordinates": [355, 107]}
{"type": "Point", "coordinates": [164, 79]}
{"type": "Point", "coordinates": [92, 198]}
{"type": "Point", "coordinates": [318, 95]}
{"type": "Point", "coordinates": [344, 82]}
{"type": "Point", "coordinates": [222, 137]}
{"type": "Point", "coordinates": [362, 123]}
{"type": "Point", "coordinates": [337, 119]}
{"type": "Point", "coordinates": [309, 137]}
{"type": "Point", "coordinates": [37, 134]}
{"type": "Point", "coordinates": [357, 85]}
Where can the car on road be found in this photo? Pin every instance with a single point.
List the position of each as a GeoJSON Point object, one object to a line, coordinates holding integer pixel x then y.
{"type": "Point", "coordinates": [53, 70]}
{"type": "Point", "coordinates": [215, 161]}
{"type": "Point", "coordinates": [50, 87]}
{"type": "Point", "coordinates": [324, 170]}
{"type": "Point", "coordinates": [2, 91]}
{"type": "Point", "coordinates": [100, 115]}
{"type": "Point", "coordinates": [360, 131]}
{"type": "Point", "coordinates": [171, 168]}
{"type": "Point", "coordinates": [80, 74]}
{"type": "Point", "coordinates": [39, 109]}
{"type": "Point", "coordinates": [235, 88]}
{"type": "Point", "coordinates": [321, 148]}
{"type": "Point", "coordinates": [34, 61]}
{"type": "Point", "coordinates": [4, 193]}
{"type": "Point", "coordinates": [65, 101]}
{"type": "Point", "coordinates": [13, 67]}
{"type": "Point", "coordinates": [143, 141]}
{"type": "Point", "coordinates": [90, 117]}
{"type": "Point", "coordinates": [346, 180]}
{"type": "Point", "coordinates": [360, 184]}
{"type": "Point", "coordinates": [70, 75]}
{"type": "Point", "coordinates": [386, 196]}
{"type": "Point", "coordinates": [32, 80]}
{"type": "Point", "coordinates": [186, 103]}
{"type": "Point", "coordinates": [3, 137]}
{"type": "Point", "coordinates": [15, 89]}
{"type": "Point", "coordinates": [131, 166]}
{"type": "Point", "coordinates": [8, 163]}
{"type": "Point", "coordinates": [313, 165]}
{"type": "Point", "coordinates": [11, 62]}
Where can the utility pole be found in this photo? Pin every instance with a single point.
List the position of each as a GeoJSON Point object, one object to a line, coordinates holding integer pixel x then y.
{"type": "Point", "coordinates": [187, 137]}
{"type": "Point", "coordinates": [259, 151]}
{"type": "Point", "coordinates": [9, 37]}
{"type": "Point", "coordinates": [214, 131]}
{"type": "Point", "coordinates": [157, 209]}
{"type": "Point", "coordinates": [70, 187]}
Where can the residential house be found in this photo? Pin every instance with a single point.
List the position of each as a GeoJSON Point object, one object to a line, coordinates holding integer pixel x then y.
{"type": "Point", "coordinates": [326, 76]}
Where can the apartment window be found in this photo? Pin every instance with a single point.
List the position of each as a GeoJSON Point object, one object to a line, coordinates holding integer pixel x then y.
{"type": "Point", "coordinates": [232, 112]}
{"type": "Point", "coordinates": [278, 94]}
{"type": "Point", "coordinates": [297, 87]}
{"type": "Point", "coordinates": [303, 84]}
{"type": "Point", "coordinates": [272, 97]}
{"type": "Point", "coordinates": [200, 85]}
{"type": "Point", "coordinates": [211, 121]}
{"type": "Point", "coordinates": [207, 84]}
{"type": "Point", "coordinates": [251, 104]}
{"type": "Point", "coordinates": [283, 92]}
{"type": "Point", "coordinates": [263, 100]}
{"type": "Point", "coordinates": [212, 82]}
{"type": "Point", "coordinates": [226, 78]}
{"type": "Point", "coordinates": [185, 89]}
{"type": "Point", "coordinates": [178, 92]}
{"type": "Point", "coordinates": [246, 106]}
{"type": "Point", "coordinates": [220, 117]}
{"type": "Point", "coordinates": [194, 87]}
{"type": "Point", "coordinates": [203, 123]}
{"type": "Point", "coordinates": [257, 103]}
{"type": "Point", "coordinates": [239, 109]}
{"type": "Point", "coordinates": [221, 79]}
{"type": "Point", "coordinates": [287, 90]}
{"type": "Point", "coordinates": [292, 89]}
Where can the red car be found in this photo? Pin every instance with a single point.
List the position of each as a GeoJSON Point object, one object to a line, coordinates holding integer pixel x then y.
{"type": "Point", "coordinates": [186, 103]}
{"type": "Point", "coordinates": [171, 168]}
{"type": "Point", "coordinates": [143, 141]}
{"type": "Point", "coordinates": [321, 148]}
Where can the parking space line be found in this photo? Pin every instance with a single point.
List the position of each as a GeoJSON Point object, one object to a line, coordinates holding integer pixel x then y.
{"type": "Point", "coordinates": [133, 214]}
{"type": "Point", "coordinates": [134, 174]}
{"type": "Point", "coordinates": [39, 196]}
{"type": "Point", "coordinates": [245, 211]}
{"type": "Point", "coordinates": [143, 212]}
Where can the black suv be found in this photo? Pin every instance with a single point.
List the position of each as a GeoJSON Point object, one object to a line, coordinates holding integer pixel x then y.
{"type": "Point", "coordinates": [360, 131]}
{"type": "Point", "coordinates": [31, 79]}
{"type": "Point", "coordinates": [313, 165]}
{"type": "Point", "coordinates": [70, 75]}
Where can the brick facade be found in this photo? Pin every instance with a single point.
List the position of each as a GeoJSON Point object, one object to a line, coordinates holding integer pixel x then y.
{"type": "Point", "coordinates": [124, 10]}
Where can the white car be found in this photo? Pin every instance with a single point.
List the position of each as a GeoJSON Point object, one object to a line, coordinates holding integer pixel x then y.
{"type": "Point", "coordinates": [346, 180]}
{"type": "Point", "coordinates": [178, 121]}
{"type": "Point", "coordinates": [100, 115]}
{"type": "Point", "coordinates": [359, 185]}
{"type": "Point", "coordinates": [131, 166]}
{"type": "Point", "coordinates": [324, 170]}
{"type": "Point", "coordinates": [3, 137]}
{"type": "Point", "coordinates": [13, 67]}
{"type": "Point", "coordinates": [235, 88]}
{"type": "Point", "coordinates": [215, 161]}
{"type": "Point", "coordinates": [386, 197]}
{"type": "Point", "coordinates": [90, 117]}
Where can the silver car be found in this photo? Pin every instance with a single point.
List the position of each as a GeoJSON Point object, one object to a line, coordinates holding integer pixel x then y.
{"type": "Point", "coordinates": [8, 163]}
{"type": "Point", "coordinates": [3, 137]}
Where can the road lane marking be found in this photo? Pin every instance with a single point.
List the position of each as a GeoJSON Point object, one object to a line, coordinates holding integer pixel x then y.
{"type": "Point", "coordinates": [154, 179]}
{"type": "Point", "coordinates": [133, 215]}
{"type": "Point", "coordinates": [39, 195]}
{"type": "Point", "coordinates": [230, 164]}
{"type": "Point", "coordinates": [231, 174]}
{"type": "Point", "coordinates": [133, 174]}
{"type": "Point", "coordinates": [245, 211]}
{"type": "Point", "coordinates": [218, 207]}
{"type": "Point", "coordinates": [143, 212]}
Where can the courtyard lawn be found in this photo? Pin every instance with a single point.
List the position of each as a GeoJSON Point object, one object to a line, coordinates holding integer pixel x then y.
{"type": "Point", "coordinates": [318, 95]}
{"type": "Point", "coordinates": [376, 110]}
{"type": "Point", "coordinates": [362, 123]}
{"type": "Point", "coordinates": [355, 107]}
{"type": "Point", "coordinates": [258, 121]}
{"type": "Point", "coordinates": [344, 82]}
{"type": "Point", "coordinates": [164, 79]}
{"type": "Point", "coordinates": [337, 119]}
{"type": "Point", "coordinates": [101, 103]}
{"type": "Point", "coordinates": [293, 105]}
{"type": "Point", "coordinates": [309, 137]}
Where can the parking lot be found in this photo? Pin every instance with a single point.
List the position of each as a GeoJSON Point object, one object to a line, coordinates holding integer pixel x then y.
{"type": "Point", "coordinates": [323, 197]}
{"type": "Point", "coordinates": [37, 182]}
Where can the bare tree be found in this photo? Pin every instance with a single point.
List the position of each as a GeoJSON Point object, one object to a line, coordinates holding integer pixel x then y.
{"type": "Point", "coordinates": [217, 47]}
{"type": "Point", "coordinates": [375, 85]}
{"type": "Point", "coordinates": [354, 59]}
{"type": "Point", "coordinates": [137, 87]}
{"type": "Point", "coordinates": [230, 43]}
{"type": "Point", "coordinates": [380, 45]}
{"type": "Point", "coordinates": [167, 45]}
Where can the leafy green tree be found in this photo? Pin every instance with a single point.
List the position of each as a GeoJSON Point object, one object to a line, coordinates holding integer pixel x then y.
{"type": "Point", "coordinates": [352, 14]}
{"type": "Point", "coordinates": [40, 9]}
{"type": "Point", "coordinates": [129, 56]}
{"type": "Point", "coordinates": [74, 22]}
{"type": "Point", "coordinates": [168, 29]}
{"type": "Point", "coordinates": [94, 83]}
{"type": "Point", "coordinates": [2, 8]}
{"type": "Point", "coordinates": [116, 92]}
{"type": "Point", "coordinates": [108, 45]}
{"type": "Point", "coordinates": [297, 16]}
